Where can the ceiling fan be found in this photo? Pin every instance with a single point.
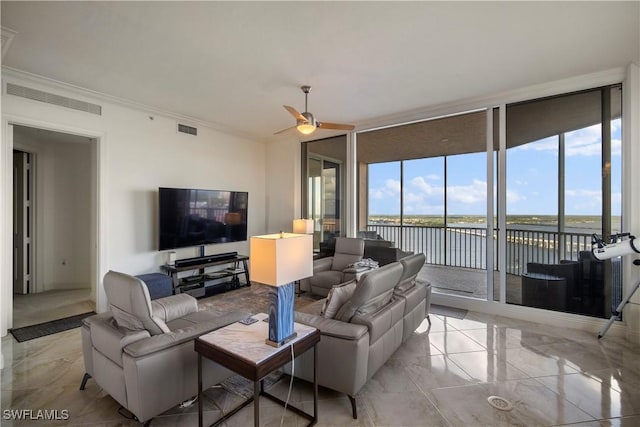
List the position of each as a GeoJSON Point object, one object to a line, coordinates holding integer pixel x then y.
{"type": "Point", "coordinates": [306, 123]}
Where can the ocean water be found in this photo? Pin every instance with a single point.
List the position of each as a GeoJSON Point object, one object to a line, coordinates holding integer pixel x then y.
{"type": "Point", "coordinates": [465, 244]}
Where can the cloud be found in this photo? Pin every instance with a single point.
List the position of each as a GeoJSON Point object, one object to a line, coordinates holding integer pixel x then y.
{"type": "Point", "coordinates": [616, 147]}
{"type": "Point", "coordinates": [582, 199]}
{"type": "Point", "coordinates": [476, 192]}
{"type": "Point", "coordinates": [547, 144]}
{"type": "Point", "coordinates": [581, 142]}
{"type": "Point", "coordinates": [514, 197]}
{"type": "Point", "coordinates": [422, 197]}
{"type": "Point", "coordinates": [433, 177]}
{"type": "Point", "coordinates": [391, 188]}
{"type": "Point", "coordinates": [423, 186]}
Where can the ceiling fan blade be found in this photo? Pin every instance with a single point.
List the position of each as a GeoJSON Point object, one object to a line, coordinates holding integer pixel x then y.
{"type": "Point", "coordinates": [294, 113]}
{"type": "Point", "coordinates": [284, 130]}
{"type": "Point", "coordinates": [327, 125]}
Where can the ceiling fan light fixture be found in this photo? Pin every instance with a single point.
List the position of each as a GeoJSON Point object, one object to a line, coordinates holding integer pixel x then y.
{"type": "Point", "coordinates": [306, 123]}
{"type": "Point", "coordinates": [306, 128]}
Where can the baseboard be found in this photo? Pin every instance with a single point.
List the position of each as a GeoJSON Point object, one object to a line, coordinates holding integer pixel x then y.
{"type": "Point", "coordinates": [545, 317]}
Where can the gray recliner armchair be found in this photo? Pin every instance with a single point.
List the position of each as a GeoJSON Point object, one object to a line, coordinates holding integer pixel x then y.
{"type": "Point", "coordinates": [329, 271]}
{"type": "Point", "coordinates": [141, 352]}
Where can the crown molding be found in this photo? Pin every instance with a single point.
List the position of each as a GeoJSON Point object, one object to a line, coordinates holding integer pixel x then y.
{"type": "Point", "coordinates": [6, 37]}
{"type": "Point", "coordinates": [95, 95]}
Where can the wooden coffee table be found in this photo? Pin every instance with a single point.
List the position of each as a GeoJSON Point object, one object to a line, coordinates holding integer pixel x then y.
{"type": "Point", "coordinates": [242, 349]}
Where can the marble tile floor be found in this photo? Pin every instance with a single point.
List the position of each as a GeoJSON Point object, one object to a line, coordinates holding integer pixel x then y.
{"type": "Point", "coordinates": [442, 376]}
{"type": "Point", "coordinates": [32, 309]}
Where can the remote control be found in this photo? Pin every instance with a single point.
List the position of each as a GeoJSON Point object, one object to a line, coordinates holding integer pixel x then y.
{"type": "Point", "coordinates": [248, 321]}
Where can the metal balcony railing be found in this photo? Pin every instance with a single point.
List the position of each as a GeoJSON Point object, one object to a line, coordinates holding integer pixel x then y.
{"type": "Point", "coordinates": [465, 247]}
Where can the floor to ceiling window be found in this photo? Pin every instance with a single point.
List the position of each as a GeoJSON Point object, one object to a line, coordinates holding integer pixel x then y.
{"type": "Point", "coordinates": [563, 180]}
{"type": "Point", "coordinates": [426, 192]}
{"type": "Point", "coordinates": [424, 186]}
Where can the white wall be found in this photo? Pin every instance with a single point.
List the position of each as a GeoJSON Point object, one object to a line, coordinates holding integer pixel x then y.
{"type": "Point", "coordinates": [283, 203]}
{"type": "Point", "coordinates": [63, 211]}
{"type": "Point", "coordinates": [136, 155]}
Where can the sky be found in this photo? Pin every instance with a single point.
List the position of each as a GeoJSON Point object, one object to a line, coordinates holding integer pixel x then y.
{"type": "Point", "coordinates": [532, 179]}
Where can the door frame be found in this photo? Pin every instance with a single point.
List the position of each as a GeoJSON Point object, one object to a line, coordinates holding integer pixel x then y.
{"type": "Point", "coordinates": [32, 260]}
{"type": "Point", "coordinates": [340, 188]}
{"type": "Point", "coordinates": [99, 216]}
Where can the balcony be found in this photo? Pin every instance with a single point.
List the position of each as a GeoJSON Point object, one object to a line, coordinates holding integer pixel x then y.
{"type": "Point", "coordinates": [456, 264]}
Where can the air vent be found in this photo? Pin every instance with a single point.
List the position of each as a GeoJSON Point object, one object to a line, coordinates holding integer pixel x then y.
{"type": "Point", "coordinates": [50, 98]}
{"type": "Point", "coordinates": [187, 129]}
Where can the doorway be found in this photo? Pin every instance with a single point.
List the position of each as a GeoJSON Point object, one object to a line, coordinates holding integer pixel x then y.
{"type": "Point", "coordinates": [22, 222]}
{"type": "Point", "coordinates": [54, 260]}
{"type": "Point", "coordinates": [323, 188]}
{"type": "Point", "coordinates": [324, 197]}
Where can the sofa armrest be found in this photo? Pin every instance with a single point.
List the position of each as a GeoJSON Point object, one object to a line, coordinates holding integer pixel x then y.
{"type": "Point", "coordinates": [110, 340]}
{"type": "Point", "coordinates": [169, 339]}
{"type": "Point", "coordinates": [322, 264]}
{"type": "Point", "coordinates": [174, 307]}
{"type": "Point", "coordinates": [332, 327]}
{"type": "Point", "coordinates": [104, 316]}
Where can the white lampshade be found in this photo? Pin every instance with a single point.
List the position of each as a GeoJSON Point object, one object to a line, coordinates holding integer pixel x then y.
{"type": "Point", "coordinates": [303, 226]}
{"type": "Point", "coordinates": [280, 259]}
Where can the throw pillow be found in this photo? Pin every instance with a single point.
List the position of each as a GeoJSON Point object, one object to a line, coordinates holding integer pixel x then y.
{"type": "Point", "coordinates": [338, 295]}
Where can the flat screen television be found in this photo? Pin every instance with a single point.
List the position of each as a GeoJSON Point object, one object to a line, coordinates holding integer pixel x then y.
{"type": "Point", "coordinates": [190, 217]}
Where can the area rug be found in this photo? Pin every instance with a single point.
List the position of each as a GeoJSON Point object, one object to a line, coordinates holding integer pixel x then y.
{"type": "Point", "coordinates": [253, 299]}
{"type": "Point", "coordinates": [27, 333]}
{"type": "Point", "coordinates": [442, 310]}
{"type": "Point", "coordinates": [244, 387]}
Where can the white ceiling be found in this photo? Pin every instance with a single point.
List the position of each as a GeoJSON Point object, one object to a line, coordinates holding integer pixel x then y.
{"type": "Point", "coordinates": [234, 64]}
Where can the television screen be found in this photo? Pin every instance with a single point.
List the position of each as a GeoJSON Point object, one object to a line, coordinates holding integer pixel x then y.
{"type": "Point", "coordinates": [189, 217]}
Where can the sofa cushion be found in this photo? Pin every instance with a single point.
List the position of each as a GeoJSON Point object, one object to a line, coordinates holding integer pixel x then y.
{"type": "Point", "coordinates": [348, 251]}
{"type": "Point", "coordinates": [130, 303]}
{"type": "Point", "coordinates": [375, 289]}
{"type": "Point", "coordinates": [174, 307]}
{"type": "Point", "coordinates": [411, 266]}
{"type": "Point", "coordinates": [338, 295]}
{"type": "Point", "coordinates": [326, 279]}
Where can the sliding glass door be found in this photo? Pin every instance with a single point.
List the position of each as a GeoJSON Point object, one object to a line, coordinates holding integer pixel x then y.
{"type": "Point", "coordinates": [563, 179]}
{"type": "Point", "coordinates": [424, 186]}
{"type": "Point", "coordinates": [323, 162]}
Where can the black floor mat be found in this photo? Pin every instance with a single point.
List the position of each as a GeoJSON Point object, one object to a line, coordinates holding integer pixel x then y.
{"type": "Point", "coordinates": [47, 328]}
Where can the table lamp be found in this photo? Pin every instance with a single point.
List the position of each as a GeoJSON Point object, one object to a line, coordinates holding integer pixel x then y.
{"type": "Point", "coordinates": [303, 226]}
{"type": "Point", "coordinates": [278, 260]}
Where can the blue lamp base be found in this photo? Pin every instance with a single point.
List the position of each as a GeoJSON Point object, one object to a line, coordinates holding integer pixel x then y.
{"type": "Point", "coordinates": [281, 315]}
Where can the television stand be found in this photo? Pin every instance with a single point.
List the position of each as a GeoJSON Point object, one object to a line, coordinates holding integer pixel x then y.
{"type": "Point", "coordinates": [204, 277]}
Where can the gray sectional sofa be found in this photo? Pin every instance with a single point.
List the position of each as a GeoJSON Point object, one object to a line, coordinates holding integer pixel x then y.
{"type": "Point", "coordinates": [388, 304]}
